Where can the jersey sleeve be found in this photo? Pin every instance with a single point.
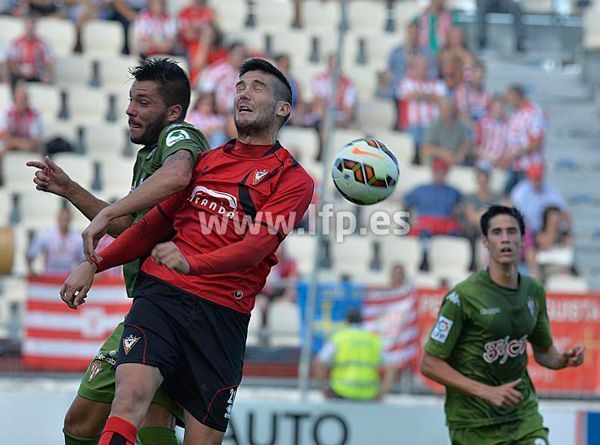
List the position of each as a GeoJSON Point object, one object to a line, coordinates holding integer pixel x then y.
{"type": "Point", "coordinates": [541, 336]}
{"type": "Point", "coordinates": [184, 138]}
{"type": "Point", "coordinates": [447, 328]}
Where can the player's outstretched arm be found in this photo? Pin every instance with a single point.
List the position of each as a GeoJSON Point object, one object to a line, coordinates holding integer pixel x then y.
{"type": "Point", "coordinates": [552, 358]}
{"type": "Point", "coordinates": [440, 371]}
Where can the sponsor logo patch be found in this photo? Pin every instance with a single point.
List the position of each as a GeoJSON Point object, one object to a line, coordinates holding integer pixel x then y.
{"type": "Point", "coordinates": [442, 329]}
{"type": "Point", "coordinates": [175, 136]}
{"type": "Point", "coordinates": [96, 368]}
{"type": "Point", "coordinates": [129, 342]}
{"type": "Point", "coordinates": [258, 175]}
{"type": "Point", "coordinates": [220, 202]}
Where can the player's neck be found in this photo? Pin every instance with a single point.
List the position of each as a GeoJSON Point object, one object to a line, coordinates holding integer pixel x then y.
{"type": "Point", "coordinates": [505, 275]}
{"type": "Point", "coordinates": [257, 139]}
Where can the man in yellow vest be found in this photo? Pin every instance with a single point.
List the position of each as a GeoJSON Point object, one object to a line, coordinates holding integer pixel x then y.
{"type": "Point", "coordinates": [354, 356]}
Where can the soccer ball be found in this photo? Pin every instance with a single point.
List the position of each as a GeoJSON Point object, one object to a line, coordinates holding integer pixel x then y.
{"type": "Point", "coordinates": [365, 171]}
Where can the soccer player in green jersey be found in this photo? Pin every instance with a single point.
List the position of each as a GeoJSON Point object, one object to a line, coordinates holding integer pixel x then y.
{"type": "Point", "coordinates": [159, 99]}
{"type": "Point", "coordinates": [478, 347]}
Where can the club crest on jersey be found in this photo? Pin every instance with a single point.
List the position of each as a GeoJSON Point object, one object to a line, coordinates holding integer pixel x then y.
{"type": "Point", "coordinates": [531, 306]}
{"type": "Point", "coordinates": [129, 342]}
{"type": "Point", "coordinates": [175, 136]}
{"type": "Point", "coordinates": [96, 368]}
{"type": "Point", "coordinates": [258, 175]}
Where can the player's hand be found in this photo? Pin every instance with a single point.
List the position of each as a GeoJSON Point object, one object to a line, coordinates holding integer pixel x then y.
{"type": "Point", "coordinates": [92, 234]}
{"type": "Point", "coordinates": [77, 285]}
{"type": "Point", "coordinates": [169, 255]}
{"type": "Point", "coordinates": [574, 357]}
{"type": "Point", "coordinates": [49, 177]}
{"type": "Point", "coordinates": [504, 395]}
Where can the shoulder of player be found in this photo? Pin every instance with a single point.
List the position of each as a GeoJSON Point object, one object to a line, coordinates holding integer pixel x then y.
{"type": "Point", "coordinates": [180, 131]}
{"type": "Point", "coordinates": [533, 283]}
{"type": "Point", "coordinates": [466, 290]}
{"type": "Point", "coordinates": [291, 165]}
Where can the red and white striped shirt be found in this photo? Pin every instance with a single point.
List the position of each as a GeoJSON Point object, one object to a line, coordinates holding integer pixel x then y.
{"type": "Point", "coordinates": [192, 17]}
{"type": "Point", "coordinates": [151, 30]}
{"type": "Point", "coordinates": [346, 92]}
{"type": "Point", "coordinates": [526, 125]}
{"type": "Point", "coordinates": [419, 113]}
{"type": "Point", "coordinates": [32, 56]}
{"type": "Point", "coordinates": [25, 124]}
{"type": "Point", "coordinates": [492, 137]}
{"type": "Point", "coordinates": [220, 78]}
{"type": "Point", "coordinates": [62, 251]}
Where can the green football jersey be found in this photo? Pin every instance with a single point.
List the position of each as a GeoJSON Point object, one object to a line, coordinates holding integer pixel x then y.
{"type": "Point", "coordinates": [482, 331]}
{"type": "Point", "coordinates": [174, 137]}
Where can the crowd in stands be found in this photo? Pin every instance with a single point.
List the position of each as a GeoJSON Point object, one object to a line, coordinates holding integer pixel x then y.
{"type": "Point", "coordinates": [435, 81]}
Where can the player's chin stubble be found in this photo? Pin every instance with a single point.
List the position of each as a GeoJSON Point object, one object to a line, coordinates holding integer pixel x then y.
{"type": "Point", "coordinates": [150, 135]}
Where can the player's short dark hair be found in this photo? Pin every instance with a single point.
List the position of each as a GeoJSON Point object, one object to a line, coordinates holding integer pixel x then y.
{"type": "Point", "coordinates": [354, 316]}
{"type": "Point", "coordinates": [174, 82]}
{"type": "Point", "coordinates": [495, 210]}
{"type": "Point", "coordinates": [281, 86]}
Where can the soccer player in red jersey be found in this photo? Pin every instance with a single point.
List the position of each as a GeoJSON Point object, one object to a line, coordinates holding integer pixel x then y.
{"type": "Point", "coordinates": [189, 319]}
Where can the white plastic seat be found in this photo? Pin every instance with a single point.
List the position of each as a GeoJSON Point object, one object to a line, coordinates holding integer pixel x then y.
{"type": "Point", "coordinates": [65, 129]}
{"type": "Point", "coordinates": [21, 244]}
{"type": "Point", "coordinates": [38, 210]}
{"type": "Point", "coordinates": [404, 13]}
{"type": "Point", "coordinates": [303, 248]}
{"type": "Point", "coordinates": [305, 74]}
{"type": "Point", "coordinates": [11, 28]}
{"type": "Point", "coordinates": [283, 323]}
{"type": "Point", "coordinates": [566, 284]}
{"type": "Point", "coordinates": [72, 70]}
{"type": "Point", "coordinates": [254, 39]}
{"type": "Point", "coordinates": [230, 15]}
{"type": "Point", "coordinates": [114, 73]}
{"type": "Point", "coordinates": [60, 34]}
{"type": "Point", "coordinates": [302, 141]}
{"type": "Point", "coordinates": [296, 43]}
{"type": "Point", "coordinates": [462, 178]}
{"type": "Point", "coordinates": [102, 38]}
{"type": "Point", "coordinates": [538, 6]}
{"type": "Point", "coordinates": [353, 255]}
{"type": "Point", "coordinates": [449, 256]}
{"type": "Point", "coordinates": [273, 14]}
{"type": "Point", "coordinates": [44, 98]}
{"type": "Point", "coordinates": [5, 206]}
{"type": "Point", "coordinates": [87, 106]}
{"type": "Point", "coordinates": [401, 144]}
{"type": "Point", "coordinates": [413, 176]}
{"type": "Point", "coordinates": [17, 176]}
{"type": "Point", "coordinates": [79, 167]}
{"type": "Point", "coordinates": [405, 250]}
{"type": "Point", "coordinates": [255, 328]}
{"type": "Point", "coordinates": [341, 137]}
{"type": "Point", "coordinates": [105, 140]}
{"type": "Point", "coordinates": [117, 174]}
{"type": "Point", "coordinates": [5, 96]}
{"type": "Point", "coordinates": [379, 48]}
{"type": "Point", "coordinates": [591, 28]}
{"type": "Point", "coordinates": [364, 79]}
{"type": "Point", "coordinates": [367, 16]}
{"type": "Point", "coordinates": [375, 115]}
{"type": "Point", "coordinates": [320, 16]}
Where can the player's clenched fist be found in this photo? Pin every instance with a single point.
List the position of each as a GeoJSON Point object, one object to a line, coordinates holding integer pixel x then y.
{"type": "Point", "coordinates": [504, 395]}
{"type": "Point", "coordinates": [169, 255]}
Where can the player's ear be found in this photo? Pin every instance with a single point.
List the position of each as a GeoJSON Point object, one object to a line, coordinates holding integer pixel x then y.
{"type": "Point", "coordinates": [484, 240]}
{"type": "Point", "coordinates": [174, 113]}
{"type": "Point", "coordinates": [283, 108]}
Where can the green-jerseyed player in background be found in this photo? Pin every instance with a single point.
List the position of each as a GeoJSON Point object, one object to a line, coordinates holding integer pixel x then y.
{"type": "Point", "coordinates": [478, 347]}
{"type": "Point", "coordinates": [159, 99]}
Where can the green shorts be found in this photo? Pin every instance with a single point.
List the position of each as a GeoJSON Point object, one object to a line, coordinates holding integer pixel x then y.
{"type": "Point", "coordinates": [529, 431]}
{"type": "Point", "coordinates": [98, 383]}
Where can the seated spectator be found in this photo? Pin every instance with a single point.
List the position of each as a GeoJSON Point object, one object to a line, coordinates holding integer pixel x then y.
{"type": "Point", "coordinates": [554, 243]}
{"type": "Point", "coordinates": [452, 71]}
{"type": "Point", "coordinates": [62, 248]}
{"type": "Point", "coordinates": [456, 46]}
{"type": "Point", "coordinates": [437, 206]}
{"type": "Point", "coordinates": [345, 102]}
{"type": "Point", "coordinates": [475, 204]}
{"type": "Point", "coordinates": [434, 25]}
{"type": "Point", "coordinates": [221, 77]}
{"type": "Point", "coordinates": [533, 195]}
{"type": "Point", "coordinates": [82, 11]}
{"type": "Point", "coordinates": [447, 138]}
{"type": "Point", "coordinates": [20, 124]}
{"type": "Point", "coordinates": [491, 135]}
{"type": "Point", "coordinates": [205, 117]}
{"type": "Point", "coordinates": [192, 20]}
{"type": "Point", "coordinates": [418, 99]}
{"type": "Point", "coordinates": [29, 57]}
{"type": "Point", "coordinates": [125, 12]}
{"type": "Point", "coordinates": [478, 98]}
{"type": "Point", "coordinates": [205, 51]}
{"type": "Point", "coordinates": [156, 30]}
{"type": "Point", "coordinates": [282, 61]}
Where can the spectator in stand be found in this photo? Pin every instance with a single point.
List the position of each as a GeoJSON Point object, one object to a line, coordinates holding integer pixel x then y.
{"type": "Point", "coordinates": [511, 6]}
{"type": "Point", "coordinates": [452, 72]}
{"type": "Point", "coordinates": [345, 102]}
{"type": "Point", "coordinates": [491, 136]}
{"type": "Point", "coordinates": [418, 99]}
{"type": "Point", "coordinates": [475, 204]}
{"type": "Point", "coordinates": [38, 8]}
{"type": "Point", "coordinates": [62, 248]}
{"type": "Point", "coordinates": [478, 98]}
{"type": "Point", "coordinates": [156, 30]}
{"type": "Point", "coordinates": [554, 243]}
{"type": "Point", "coordinates": [282, 61]}
{"type": "Point", "coordinates": [457, 46]}
{"type": "Point", "coordinates": [434, 25]}
{"type": "Point", "coordinates": [205, 51]}
{"type": "Point", "coordinates": [204, 116]}
{"type": "Point", "coordinates": [29, 57]}
{"type": "Point", "coordinates": [533, 195]}
{"type": "Point", "coordinates": [447, 138]}
{"type": "Point", "coordinates": [82, 11]}
{"type": "Point", "coordinates": [125, 12]}
{"type": "Point", "coordinates": [221, 77]}
{"type": "Point", "coordinates": [20, 124]}
{"type": "Point", "coordinates": [192, 20]}
{"type": "Point", "coordinates": [438, 206]}
{"type": "Point", "coordinates": [526, 127]}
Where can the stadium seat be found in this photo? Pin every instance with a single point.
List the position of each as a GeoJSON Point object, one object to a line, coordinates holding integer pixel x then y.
{"type": "Point", "coordinates": [5, 206]}
{"type": "Point", "coordinates": [105, 140]}
{"type": "Point", "coordinates": [65, 129]}
{"type": "Point", "coordinates": [320, 16]}
{"type": "Point", "coordinates": [413, 176]}
{"type": "Point", "coordinates": [341, 137]}
{"type": "Point", "coordinates": [273, 14]}
{"type": "Point", "coordinates": [302, 141]}
{"type": "Point", "coordinates": [305, 74]}
{"type": "Point", "coordinates": [566, 284]}
{"type": "Point", "coordinates": [38, 210]}
{"type": "Point", "coordinates": [364, 79]}
{"type": "Point", "coordinates": [353, 255]}
{"type": "Point", "coordinates": [21, 244]}
{"type": "Point", "coordinates": [538, 6]}
{"type": "Point", "coordinates": [327, 44]}
{"type": "Point", "coordinates": [11, 28]}
{"type": "Point", "coordinates": [283, 323]}
{"type": "Point", "coordinates": [79, 101]}
{"type": "Point", "coordinates": [114, 73]}
{"type": "Point", "coordinates": [303, 248]}
{"type": "Point", "coordinates": [449, 256]}
{"type": "Point", "coordinates": [463, 178]}
{"type": "Point", "coordinates": [79, 167]}
{"type": "Point", "coordinates": [230, 15]}
{"type": "Point", "coordinates": [469, 6]}
{"type": "Point", "coordinates": [296, 43]}
{"type": "Point", "coordinates": [379, 48]}
{"type": "Point", "coordinates": [117, 174]}
{"type": "Point", "coordinates": [102, 39]}
{"type": "Point", "coordinates": [5, 96]}
{"type": "Point", "coordinates": [425, 280]}
{"type": "Point", "coordinates": [498, 180]}
{"type": "Point", "coordinates": [255, 328]}
{"type": "Point", "coordinates": [254, 39]}
{"type": "Point", "coordinates": [46, 99]}
{"type": "Point", "coordinates": [404, 13]}
{"type": "Point", "coordinates": [60, 34]}
{"type": "Point", "coordinates": [375, 115]}
{"type": "Point", "coordinates": [405, 250]}
{"type": "Point", "coordinates": [591, 28]}
{"type": "Point", "coordinates": [368, 17]}
{"type": "Point", "coordinates": [14, 293]}
{"type": "Point", "coordinates": [17, 176]}
{"type": "Point", "coordinates": [73, 69]}
{"type": "Point", "coordinates": [400, 143]}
